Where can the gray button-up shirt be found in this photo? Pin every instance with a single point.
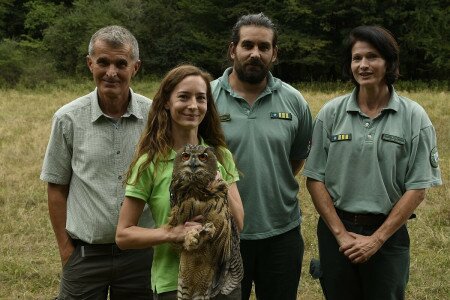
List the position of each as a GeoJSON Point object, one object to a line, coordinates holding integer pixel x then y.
{"type": "Point", "coordinates": [92, 153]}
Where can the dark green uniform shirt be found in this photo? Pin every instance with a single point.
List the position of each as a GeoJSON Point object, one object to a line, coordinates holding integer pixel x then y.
{"type": "Point", "coordinates": [368, 164]}
{"type": "Point", "coordinates": [263, 139]}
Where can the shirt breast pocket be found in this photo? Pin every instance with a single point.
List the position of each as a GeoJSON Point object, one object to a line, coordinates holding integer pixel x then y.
{"type": "Point", "coordinates": [392, 148]}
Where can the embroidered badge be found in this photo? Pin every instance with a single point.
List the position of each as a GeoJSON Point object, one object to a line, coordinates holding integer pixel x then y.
{"type": "Point", "coordinates": [341, 137]}
{"type": "Point", "coordinates": [225, 118]}
{"type": "Point", "coordinates": [281, 115]}
{"type": "Point", "coordinates": [393, 139]}
{"type": "Point", "coordinates": [434, 158]}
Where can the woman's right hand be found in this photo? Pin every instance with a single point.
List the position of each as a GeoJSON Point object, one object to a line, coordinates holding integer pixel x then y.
{"type": "Point", "coordinates": [345, 240]}
{"type": "Point", "coordinates": [179, 232]}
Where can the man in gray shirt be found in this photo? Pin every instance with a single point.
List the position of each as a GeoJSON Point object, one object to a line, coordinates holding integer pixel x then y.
{"type": "Point", "coordinates": [91, 145]}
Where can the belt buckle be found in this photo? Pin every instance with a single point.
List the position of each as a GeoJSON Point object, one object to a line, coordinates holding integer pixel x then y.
{"type": "Point", "coordinates": [355, 219]}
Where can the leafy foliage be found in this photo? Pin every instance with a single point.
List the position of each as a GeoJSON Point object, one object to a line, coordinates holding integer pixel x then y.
{"type": "Point", "coordinates": [11, 65]}
{"type": "Point", "coordinates": [173, 32]}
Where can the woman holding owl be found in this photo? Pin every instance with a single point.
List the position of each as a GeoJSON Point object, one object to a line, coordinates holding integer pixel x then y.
{"type": "Point", "coordinates": [182, 112]}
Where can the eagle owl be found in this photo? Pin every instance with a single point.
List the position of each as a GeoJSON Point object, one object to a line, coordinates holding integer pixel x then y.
{"type": "Point", "coordinates": [210, 260]}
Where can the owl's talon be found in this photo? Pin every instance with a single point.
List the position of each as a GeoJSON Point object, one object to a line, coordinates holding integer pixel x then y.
{"type": "Point", "coordinates": [209, 229]}
{"type": "Point", "coordinates": [191, 240]}
{"type": "Point", "coordinates": [195, 238]}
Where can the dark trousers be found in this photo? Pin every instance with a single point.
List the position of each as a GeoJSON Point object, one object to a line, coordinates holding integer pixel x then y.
{"type": "Point", "coordinates": [274, 265]}
{"type": "Point", "coordinates": [383, 276]}
{"type": "Point", "coordinates": [94, 270]}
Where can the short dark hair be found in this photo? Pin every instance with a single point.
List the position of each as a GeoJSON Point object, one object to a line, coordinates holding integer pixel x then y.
{"type": "Point", "coordinates": [254, 20]}
{"type": "Point", "coordinates": [380, 38]}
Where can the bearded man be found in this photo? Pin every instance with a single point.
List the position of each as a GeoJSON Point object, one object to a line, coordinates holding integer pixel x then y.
{"type": "Point", "coordinates": [268, 128]}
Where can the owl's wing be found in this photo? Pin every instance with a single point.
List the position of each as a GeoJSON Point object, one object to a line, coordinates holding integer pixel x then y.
{"type": "Point", "coordinates": [231, 270]}
{"type": "Point", "coordinates": [235, 272]}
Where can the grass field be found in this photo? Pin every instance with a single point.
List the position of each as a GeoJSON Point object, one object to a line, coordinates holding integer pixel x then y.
{"type": "Point", "coordinates": [29, 260]}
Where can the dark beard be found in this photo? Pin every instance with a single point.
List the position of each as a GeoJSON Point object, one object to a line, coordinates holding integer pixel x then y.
{"type": "Point", "coordinates": [252, 77]}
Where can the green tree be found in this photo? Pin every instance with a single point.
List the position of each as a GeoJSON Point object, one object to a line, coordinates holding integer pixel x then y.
{"type": "Point", "coordinates": [5, 7]}
{"type": "Point", "coordinates": [423, 31]}
{"type": "Point", "coordinates": [176, 31]}
{"type": "Point", "coordinates": [12, 16]}
{"type": "Point", "coordinates": [68, 38]}
{"type": "Point", "coordinates": [11, 62]}
{"type": "Point", "coordinates": [41, 15]}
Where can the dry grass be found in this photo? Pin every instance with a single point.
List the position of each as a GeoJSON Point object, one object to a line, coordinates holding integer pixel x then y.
{"type": "Point", "coordinates": [29, 262]}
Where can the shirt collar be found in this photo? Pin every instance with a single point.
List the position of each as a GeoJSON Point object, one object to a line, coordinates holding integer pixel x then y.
{"type": "Point", "coordinates": [393, 104]}
{"type": "Point", "coordinates": [132, 109]}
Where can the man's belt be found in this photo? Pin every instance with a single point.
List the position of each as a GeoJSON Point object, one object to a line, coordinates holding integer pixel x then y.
{"type": "Point", "coordinates": [96, 249]}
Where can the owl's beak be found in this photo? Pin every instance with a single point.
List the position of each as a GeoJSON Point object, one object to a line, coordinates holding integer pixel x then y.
{"type": "Point", "coordinates": [194, 164]}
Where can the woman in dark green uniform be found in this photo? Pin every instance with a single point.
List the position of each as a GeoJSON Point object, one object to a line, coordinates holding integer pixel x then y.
{"type": "Point", "coordinates": [372, 157]}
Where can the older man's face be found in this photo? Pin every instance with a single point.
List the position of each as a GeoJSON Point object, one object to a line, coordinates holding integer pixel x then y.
{"type": "Point", "coordinates": [112, 69]}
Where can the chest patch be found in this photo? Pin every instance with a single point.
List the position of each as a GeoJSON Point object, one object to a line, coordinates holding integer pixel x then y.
{"type": "Point", "coordinates": [341, 137]}
{"type": "Point", "coordinates": [393, 139]}
{"type": "Point", "coordinates": [281, 115]}
{"type": "Point", "coordinates": [225, 118]}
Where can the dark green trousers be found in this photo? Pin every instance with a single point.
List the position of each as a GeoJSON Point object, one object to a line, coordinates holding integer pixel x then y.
{"type": "Point", "coordinates": [384, 276]}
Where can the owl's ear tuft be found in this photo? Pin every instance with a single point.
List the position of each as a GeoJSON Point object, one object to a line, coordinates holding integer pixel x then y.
{"type": "Point", "coordinates": [212, 149]}
{"type": "Point", "coordinates": [186, 148]}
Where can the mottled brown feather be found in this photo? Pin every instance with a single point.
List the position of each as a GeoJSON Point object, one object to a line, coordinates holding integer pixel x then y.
{"type": "Point", "coordinates": [210, 260]}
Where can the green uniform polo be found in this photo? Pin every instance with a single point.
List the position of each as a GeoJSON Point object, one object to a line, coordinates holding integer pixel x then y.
{"type": "Point", "coordinates": [263, 139]}
{"type": "Point", "coordinates": [154, 190]}
{"type": "Point", "coordinates": [368, 164]}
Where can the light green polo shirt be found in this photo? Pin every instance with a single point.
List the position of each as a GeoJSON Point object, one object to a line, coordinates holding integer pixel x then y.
{"type": "Point", "coordinates": [91, 153]}
{"type": "Point", "coordinates": [368, 164]}
{"type": "Point", "coordinates": [154, 190]}
{"type": "Point", "coordinates": [263, 139]}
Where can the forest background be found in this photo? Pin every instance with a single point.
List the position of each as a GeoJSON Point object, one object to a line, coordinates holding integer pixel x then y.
{"type": "Point", "coordinates": [43, 41]}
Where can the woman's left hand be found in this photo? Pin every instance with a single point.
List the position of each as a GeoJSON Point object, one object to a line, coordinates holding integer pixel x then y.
{"type": "Point", "coordinates": [362, 247]}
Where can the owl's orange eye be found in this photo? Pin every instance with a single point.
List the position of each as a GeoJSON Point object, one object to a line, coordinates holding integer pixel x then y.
{"type": "Point", "coordinates": [203, 157]}
{"type": "Point", "coordinates": [185, 156]}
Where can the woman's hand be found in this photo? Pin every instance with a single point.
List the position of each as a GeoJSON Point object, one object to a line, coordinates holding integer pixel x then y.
{"type": "Point", "coordinates": [178, 233]}
{"type": "Point", "coordinates": [361, 248]}
{"type": "Point", "coordinates": [345, 239]}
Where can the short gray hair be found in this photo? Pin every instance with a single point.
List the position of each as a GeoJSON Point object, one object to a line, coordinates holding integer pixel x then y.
{"type": "Point", "coordinates": [115, 36]}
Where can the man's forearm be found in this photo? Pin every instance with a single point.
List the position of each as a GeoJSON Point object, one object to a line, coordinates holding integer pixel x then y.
{"type": "Point", "coordinates": [57, 208]}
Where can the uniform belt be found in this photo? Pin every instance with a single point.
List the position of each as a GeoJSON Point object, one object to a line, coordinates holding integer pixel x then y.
{"type": "Point", "coordinates": [361, 219]}
{"type": "Point", "coordinates": [88, 250]}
